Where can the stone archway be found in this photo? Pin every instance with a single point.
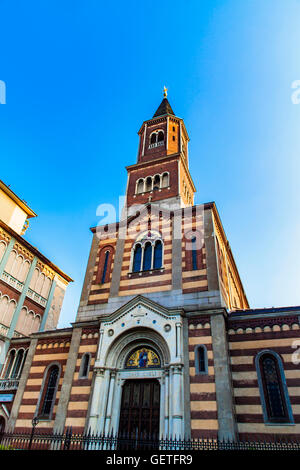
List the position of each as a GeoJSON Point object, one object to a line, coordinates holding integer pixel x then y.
{"type": "Point", "coordinates": [112, 376]}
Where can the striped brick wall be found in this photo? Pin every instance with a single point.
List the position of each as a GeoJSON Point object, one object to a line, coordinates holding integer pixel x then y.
{"type": "Point", "coordinates": [204, 419]}
{"type": "Point", "coordinates": [193, 280]}
{"type": "Point", "coordinates": [246, 340]}
{"type": "Point", "coordinates": [81, 387]}
{"type": "Point", "coordinates": [99, 293]}
{"type": "Point", "coordinates": [48, 351]}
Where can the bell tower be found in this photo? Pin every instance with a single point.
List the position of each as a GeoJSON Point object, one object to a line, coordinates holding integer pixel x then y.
{"type": "Point", "coordinates": [161, 174]}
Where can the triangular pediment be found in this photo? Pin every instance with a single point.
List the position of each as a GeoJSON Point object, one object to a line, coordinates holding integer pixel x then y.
{"type": "Point", "coordinates": [140, 307]}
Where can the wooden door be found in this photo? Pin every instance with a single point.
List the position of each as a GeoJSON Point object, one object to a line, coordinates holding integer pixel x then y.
{"type": "Point", "coordinates": [139, 415]}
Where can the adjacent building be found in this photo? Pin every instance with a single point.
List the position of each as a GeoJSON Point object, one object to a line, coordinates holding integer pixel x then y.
{"type": "Point", "coordinates": [32, 289]}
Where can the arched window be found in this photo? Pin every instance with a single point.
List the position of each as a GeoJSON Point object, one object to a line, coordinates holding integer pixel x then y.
{"type": "Point", "coordinates": [104, 266]}
{"type": "Point", "coordinates": [140, 186]}
{"type": "Point", "coordinates": [17, 365]}
{"type": "Point", "coordinates": [10, 262]}
{"type": "Point", "coordinates": [156, 182]}
{"type": "Point", "coordinates": [34, 278]}
{"type": "Point", "coordinates": [147, 253]}
{"type": "Point", "coordinates": [153, 138]}
{"type": "Point", "coordinates": [49, 392]}
{"type": "Point", "coordinates": [10, 362]}
{"type": "Point", "coordinates": [160, 136]}
{"type": "Point", "coordinates": [4, 302]}
{"type": "Point", "coordinates": [147, 256]}
{"type": "Point", "coordinates": [165, 180]}
{"type": "Point", "coordinates": [137, 258]}
{"type": "Point", "coordinates": [24, 271]}
{"type": "Point", "coordinates": [148, 184]}
{"type": "Point", "coordinates": [84, 366]}
{"type": "Point", "coordinates": [157, 261]}
{"type": "Point", "coordinates": [16, 268]}
{"type": "Point", "coordinates": [273, 389]}
{"type": "Point", "coordinates": [201, 366]}
{"type": "Point", "coordinates": [156, 139]}
{"type": "Point", "coordinates": [193, 251]}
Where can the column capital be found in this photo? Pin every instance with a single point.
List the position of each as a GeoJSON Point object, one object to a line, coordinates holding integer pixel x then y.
{"type": "Point", "coordinates": [99, 371]}
{"type": "Point", "coordinates": [177, 368]}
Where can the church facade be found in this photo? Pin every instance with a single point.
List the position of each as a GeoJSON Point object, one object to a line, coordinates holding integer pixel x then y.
{"type": "Point", "coordinates": [164, 342]}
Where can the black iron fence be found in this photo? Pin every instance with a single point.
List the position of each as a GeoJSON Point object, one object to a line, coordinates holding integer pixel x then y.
{"type": "Point", "coordinates": [72, 441]}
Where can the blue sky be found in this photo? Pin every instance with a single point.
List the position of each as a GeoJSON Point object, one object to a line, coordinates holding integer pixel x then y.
{"type": "Point", "coordinates": [81, 77]}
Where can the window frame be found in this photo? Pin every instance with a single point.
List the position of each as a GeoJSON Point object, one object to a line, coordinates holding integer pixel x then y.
{"type": "Point", "coordinates": [103, 275]}
{"type": "Point", "coordinates": [44, 388]}
{"type": "Point", "coordinates": [142, 244]}
{"type": "Point", "coordinates": [82, 365]}
{"type": "Point", "coordinates": [289, 419]}
{"type": "Point", "coordinates": [197, 362]}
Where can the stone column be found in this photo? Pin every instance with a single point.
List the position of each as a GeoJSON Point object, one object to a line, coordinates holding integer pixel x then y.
{"type": "Point", "coordinates": [178, 340]}
{"type": "Point", "coordinates": [167, 399]}
{"type": "Point", "coordinates": [95, 404]}
{"type": "Point", "coordinates": [64, 397]}
{"type": "Point", "coordinates": [110, 402]}
{"type": "Point", "coordinates": [224, 392]}
{"type": "Point", "coordinates": [177, 411]}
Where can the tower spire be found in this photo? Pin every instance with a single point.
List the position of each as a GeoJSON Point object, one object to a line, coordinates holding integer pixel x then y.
{"type": "Point", "coordinates": [164, 107]}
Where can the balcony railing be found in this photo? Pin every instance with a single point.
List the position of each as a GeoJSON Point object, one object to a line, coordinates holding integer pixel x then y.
{"type": "Point", "coordinates": [18, 285]}
{"type": "Point", "coordinates": [156, 144]}
{"type": "Point", "coordinates": [12, 281]}
{"type": "Point", "coordinates": [36, 297]}
{"type": "Point", "coordinates": [4, 330]}
{"type": "Point", "coordinates": [9, 384]}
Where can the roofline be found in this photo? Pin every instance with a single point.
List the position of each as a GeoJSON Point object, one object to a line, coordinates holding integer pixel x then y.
{"type": "Point", "coordinates": [30, 213]}
{"type": "Point", "coordinates": [262, 311]}
{"type": "Point", "coordinates": [35, 251]}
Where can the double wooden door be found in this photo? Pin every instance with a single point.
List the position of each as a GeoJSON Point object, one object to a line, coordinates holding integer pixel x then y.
{"type": "Point", "coordinates": [140, 406]}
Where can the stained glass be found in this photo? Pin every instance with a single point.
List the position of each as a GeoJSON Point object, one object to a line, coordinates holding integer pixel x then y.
{"type": "Point", "coordinates": [272, 383]}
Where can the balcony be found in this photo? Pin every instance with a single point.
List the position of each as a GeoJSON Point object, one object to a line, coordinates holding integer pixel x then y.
{"type": "Point", "coordinates": [18, 285]}
{"type": "Point", "coordinates": [156, 144]}
{"type": "Point", "coordinates": [4, 330]}
{"type": "Point", "coordinates": [12, 281]}
{"type": "Point", "coordinates": [9, 384]}
{"type": "Point", "coordinates": [36, 297]}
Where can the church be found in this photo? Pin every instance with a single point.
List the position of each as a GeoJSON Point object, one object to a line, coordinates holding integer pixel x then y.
{"type": "Point", "coordinates": [164, 341]}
